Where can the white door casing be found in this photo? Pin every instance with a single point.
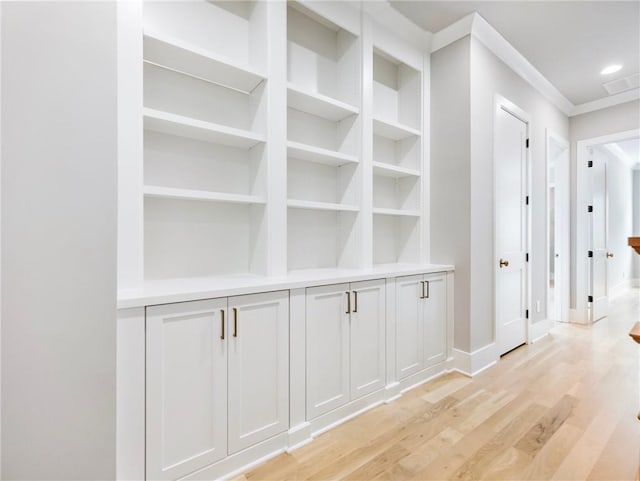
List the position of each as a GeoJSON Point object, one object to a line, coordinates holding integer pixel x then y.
{"type": "Point", "coordinates": [598, 237]}
{"type": "Point", "coordinates": [328, 347]}
{"type": "Point", "coordinates": [186, 401]}
{"type": "Point", "coordinates": [510, 164]}
{"type": "Point", "coordinates": [367, 337]}
{"type": "Point", "coordinates": [258, 392]}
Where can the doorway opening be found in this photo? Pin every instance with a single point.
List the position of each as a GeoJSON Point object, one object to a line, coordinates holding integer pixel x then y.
{"type": "Point", "coordinates": [557, 228]}
{"type": "Point", "coordinates": [608, 206]}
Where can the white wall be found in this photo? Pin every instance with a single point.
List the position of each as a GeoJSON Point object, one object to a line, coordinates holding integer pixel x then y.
{"type": "Point", "coordinates": [490, 76]}
{"type": "Point", "coordinates": [619, 180]}
{"type": "Point", "coordinates": [58, 240]}
{"type": "Point", "coordinates": [462, 179]}
{"type": "Point", "coordinates": [450, 172]}
{"type": "Point", "coordinates": [618, 118]}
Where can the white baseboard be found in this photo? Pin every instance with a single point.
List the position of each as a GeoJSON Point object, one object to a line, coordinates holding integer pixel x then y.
{"type": "Point", "coordinates": [473, 363]}
{"type": "Point", "coordinates": [621, 287]}
{"type": "Point", "coordinates": [634, 282]}
{"type": "Point", "coordinates": [538, 330]}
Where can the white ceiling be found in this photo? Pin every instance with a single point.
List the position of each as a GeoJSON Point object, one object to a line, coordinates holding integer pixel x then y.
{"type": "Point", "coordinates": [568, 42]}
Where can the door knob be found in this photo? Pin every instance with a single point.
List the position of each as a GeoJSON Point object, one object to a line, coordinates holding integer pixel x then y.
{"type": "Point", "coordinates": [504, 263]}
{"type": "Point", "coordinates": [609, 254]}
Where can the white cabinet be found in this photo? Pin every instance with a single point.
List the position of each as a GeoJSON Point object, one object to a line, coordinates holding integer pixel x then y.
{"type": "Point", "coordinates": [258, 368]}
{"type": "Point", "coordinates": [421, 317]}
{"type": "Point", "coordinates": [345, 343]}
{"type": "Point", "coordinates": [217, 379]}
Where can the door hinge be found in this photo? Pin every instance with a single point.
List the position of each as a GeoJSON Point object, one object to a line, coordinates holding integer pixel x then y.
{"type": "Point", "coordinates": [526, 201]}
{"type": "Point", "coordinates": [527, 143]}
{"type": "Point", "coordinates": [589, 298]}
{"type": "Point", "coordinates": [590, 164]}
{"type": "Point", "coordinates": [590, 254]}
{"type": "Point", "coordinates": [526, 313]}
{"type": "Point", "coordinates": [526, 256]}
{"type": "Point", "coordinates": [589, 208]}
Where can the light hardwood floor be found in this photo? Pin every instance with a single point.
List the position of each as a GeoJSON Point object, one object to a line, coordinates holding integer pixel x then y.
{"type": "Point", "coordinates": [563, 408]}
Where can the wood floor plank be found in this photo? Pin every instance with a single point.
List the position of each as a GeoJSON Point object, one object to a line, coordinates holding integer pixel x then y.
{"type": "Point", "coordinates": [560, 409]}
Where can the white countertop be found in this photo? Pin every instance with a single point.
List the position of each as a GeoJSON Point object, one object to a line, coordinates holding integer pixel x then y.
{"type": "Point", "coordinates": [190, 289]}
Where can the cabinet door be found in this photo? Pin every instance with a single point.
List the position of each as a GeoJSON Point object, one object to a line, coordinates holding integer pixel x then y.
{"type": "Point", "coordinates": [327, 348]}
{"type": "Point", "coordinates": [258, 368]}
{"type": "Point", "coordinates": [409, 325]}
{"type": "Point", "coordinates": [435, 319]}
{"type": "Point", "coordinates": [186, 388]}
{"type": "Point", "coordinates": [367, 337]}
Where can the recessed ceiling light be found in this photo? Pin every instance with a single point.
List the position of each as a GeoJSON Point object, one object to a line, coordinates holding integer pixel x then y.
{"type": "Point", "coordinates": [610, 69]}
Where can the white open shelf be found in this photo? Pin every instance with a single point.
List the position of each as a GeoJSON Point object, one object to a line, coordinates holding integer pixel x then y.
{"type": "Point", "coordinates": [188, 194]}
{"type": "Point", "coordinates": [173, 124]}
{"type": "Point", "coordinates": [313, 205]}
{"type": "Point", "coordinates": [395, 171]}
{"type": "Point", "coordinates": [396, 212]}
{"type": "Point", "coordinates": [319, 155]}
{"type": "Point", "coordinates": [393, 130]}
{"type": "Point", "coordinates": [319, 105]}
{"type": "Point", "coordinates": [173, 53]}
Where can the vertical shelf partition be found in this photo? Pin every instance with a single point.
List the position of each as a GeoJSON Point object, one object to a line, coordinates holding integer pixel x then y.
{"type": "Point", "coordinates": [323, 132]}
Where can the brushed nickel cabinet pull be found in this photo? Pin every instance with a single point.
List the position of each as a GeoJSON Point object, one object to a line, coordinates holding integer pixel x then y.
{"type": "Point", "coordinates": [235, 322]}
{"type": "Point", "coordinates": [348, 302]}
{"type": "Point", "coordinates": [427, 295]}
{"type": "Point", "coordinates": [355, 295]}
{"type": "Point", "coordinates": [422, 296]}
{"type": "Point", "coordinates": [222, 323]}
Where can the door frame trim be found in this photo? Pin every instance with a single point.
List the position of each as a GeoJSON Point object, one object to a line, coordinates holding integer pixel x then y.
{"type": "Point", "coordinates": [502, 103]}
{"type": "Point", "coordinates": [564, 289]}
{"type": "Point", "coordinates": [580, 313]}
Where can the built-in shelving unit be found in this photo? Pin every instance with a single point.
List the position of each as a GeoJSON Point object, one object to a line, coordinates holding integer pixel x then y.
{"type": "Point", "coordinates": [276, 138]}
{"type": "Point", "coordinates": [205, 121]}
{"type": "Point", "coordinates": [397, 159]}
{"type": "Point", "coordinates": [323, 131]}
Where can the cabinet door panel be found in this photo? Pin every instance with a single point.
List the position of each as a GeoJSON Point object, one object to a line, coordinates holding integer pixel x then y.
{"type": "Point", "coordinates": [409, 325]}
{"type": "Point", "coordinates": [367, 337]}
{"type": "Point", "coordinates": [435, 319]}
{"type": "Point", "coordinates": [327, 349]}
{"type": "Point", "coordinates": [258, 368]}
{"type": "Point", "coordinates": [186, 405]}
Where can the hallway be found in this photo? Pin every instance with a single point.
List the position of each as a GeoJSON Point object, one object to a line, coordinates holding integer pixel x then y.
{"type": "Point", "coordinates": [563, 408]}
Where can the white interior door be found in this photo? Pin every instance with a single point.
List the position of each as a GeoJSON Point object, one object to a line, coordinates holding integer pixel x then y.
{"type": "Point", "coordinates": [186, 413]}
{"type": "Point", "coordinates": [511, 229]}
{"type": "Point", "coordinates": [598, 217]}
{"type": "Point", "coordinates": [327, 348]}
{"type": "Point", "coordinates": [367, 337]}
{"type": "Point", "coordinates": [258, 368]}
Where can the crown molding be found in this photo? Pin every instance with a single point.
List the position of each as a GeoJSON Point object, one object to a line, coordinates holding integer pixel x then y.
{"type": "Point", "coordinates": [603, 103]}
{"type": "Point", "coordinates": [476, 26]}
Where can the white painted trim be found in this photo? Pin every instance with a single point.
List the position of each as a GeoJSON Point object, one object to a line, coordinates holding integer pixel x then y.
{"type": "Point", "coordinates": [452, 33]}
{"type": "Point", "coordinates": [606, 102]}
{"type": "Point", "coordinates": [475, 25]}
{"type": "Point", "coordinates": [540, 329]}
{"type": "Point", "coordinates": [564, 290]}
{"type": "Point", "coordinates": [473, 363]}
{"type": "Point", "coordinates": [506, 52]}
{"type": "Point", "coordinates": [634, 283]}
{"type": "Point", "coordinates": [580, 313]}
{"type": "Point", "coordinates": [501, 102]}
